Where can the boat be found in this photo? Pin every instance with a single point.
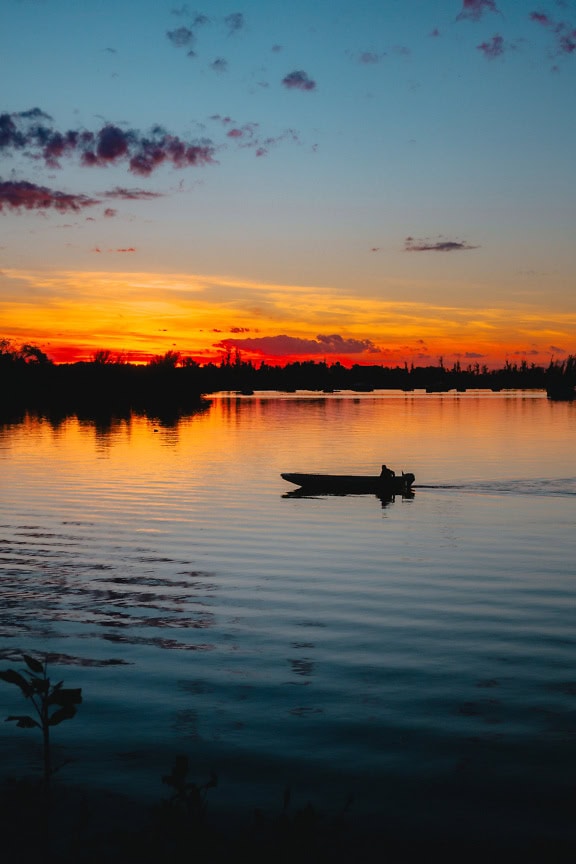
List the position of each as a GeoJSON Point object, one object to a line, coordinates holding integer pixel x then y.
{"type": "Point", "coordinates": [353, 484]}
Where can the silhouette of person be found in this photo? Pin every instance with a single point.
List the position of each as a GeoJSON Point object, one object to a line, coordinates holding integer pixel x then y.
{"type": "Point", "coordinates": [387, 473]}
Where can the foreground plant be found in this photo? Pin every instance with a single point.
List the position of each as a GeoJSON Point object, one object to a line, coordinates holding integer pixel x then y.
{"type": "Point", "coordinates": [52, 703]}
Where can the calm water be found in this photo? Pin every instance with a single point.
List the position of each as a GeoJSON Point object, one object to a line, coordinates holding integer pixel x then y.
{"type": "Point", "coordinates": [419, 655]}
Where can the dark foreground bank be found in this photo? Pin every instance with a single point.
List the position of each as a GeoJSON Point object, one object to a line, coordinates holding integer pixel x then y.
{"type": "Point", "coordinates": [82, 825]}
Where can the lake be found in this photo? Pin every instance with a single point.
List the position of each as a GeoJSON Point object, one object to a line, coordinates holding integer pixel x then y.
{"type": "Point", "coordinates": [416, 658]}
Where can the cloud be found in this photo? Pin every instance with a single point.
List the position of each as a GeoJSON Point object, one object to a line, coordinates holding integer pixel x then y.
{"type": "Point", "coordinates": [298, 80]}
{"type": "Point", "coordinates": [108, 146]}
{"type": "Point", "coordinates": [219, 65]}
{"type": "Point", "coordinates": [557, 350]}
{"type": "Point", "coordinates": [109, 212]}
{"type": "Point", "coordinates": [474, 9]}
{"type": "Point", "coordinates": [246, 135]}
{"type": "Point", "coordinates": [541, 18]}
{"type": "Point", "coordinates": [127, 249]}
{"type": "Point", "coordinates": [371, 57]}
{"type": "Point", "coordinates": [29, 196]}
{"type": "Point", "coordinates": [493, 48]}
{"type": "Point", "coordinates": [131, 194]}
{"type": "Point", "coordinates": [564, 33]}
{"type": "Point", "coordinates": [283, 345]}
{"type": "Point", "coordinates": [181, 37]}
{"type": "Point", "coordinates": [234, 22]}
{"type": "Point", "coordinates": [413, 245]}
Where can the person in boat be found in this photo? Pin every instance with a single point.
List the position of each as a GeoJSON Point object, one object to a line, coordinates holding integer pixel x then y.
{"type": "Point", "coordinates": [387, 473]}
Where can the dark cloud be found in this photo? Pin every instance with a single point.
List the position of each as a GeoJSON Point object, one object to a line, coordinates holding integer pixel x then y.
{"type": "Point", "coordinates": [557, 350]}
{"type": "Point", "coordinates": [110, 145]}
{"type": "Point", "coordinates": [181, 37]}
{"type": "Point", "coordinates": [29, 196]}
{"type": "Point", "coordinates": [234, 22]}
{"type": "Point", "coordinates": [413, 245]}
{"type": "Point", "coordinates": [298, 80]}
{"type": "Point", "coordinates": [109, 212]}
{"type": "Point", "coordinates": [283, 345]}
{"type": "Point", "coordinates": [131, 194]}
{"type": "Point", "coordinates": [473, 355]}
{"type": "Point", "coordinates": [474, 9]}
{"type": "Point", "coordinates": [240, 330]}
{"type": "Point", "coordinates": [493, 48]}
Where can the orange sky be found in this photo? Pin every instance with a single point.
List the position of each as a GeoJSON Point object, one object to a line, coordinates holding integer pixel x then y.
{"type": "Point", "coordinates": [72, 314]}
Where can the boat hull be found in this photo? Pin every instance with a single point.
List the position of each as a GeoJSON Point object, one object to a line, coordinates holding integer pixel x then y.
{"type": "Point", "coordinates": [350, 484]}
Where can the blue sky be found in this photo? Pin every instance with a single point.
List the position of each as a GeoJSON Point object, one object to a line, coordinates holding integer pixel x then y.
{"type": "Point", "coordinates": [396, 174]}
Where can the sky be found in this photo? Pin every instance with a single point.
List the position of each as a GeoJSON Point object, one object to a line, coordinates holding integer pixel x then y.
{"type": "Point", "coordinates": [354, 181]}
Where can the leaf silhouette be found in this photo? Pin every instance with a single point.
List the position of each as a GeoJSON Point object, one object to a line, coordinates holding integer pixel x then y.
{"type": "Point", "coordinates": [24, 722]}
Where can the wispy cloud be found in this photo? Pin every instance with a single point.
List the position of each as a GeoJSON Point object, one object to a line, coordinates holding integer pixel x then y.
{"type": "Point", "coordinates": [412, 244]}
{"type": "Point", "coordinates": [564, 33]}
{"type": "Point", "coordinates": [219, 65]}
{"type": "Point", "coordinates": [21, 195]}
{"type": "Point", "coordinates": [474, 9]}
{"type": "Point", "coordinates": [298, 80]}
{"type": "Point", "coordinates": [370, 58]}
{"type": "Point", "coordinates": [234, 22]}
{"type": "Point", "coordinates": [131, 194]}
{"type": "Point", "coordinates": [493, 48]}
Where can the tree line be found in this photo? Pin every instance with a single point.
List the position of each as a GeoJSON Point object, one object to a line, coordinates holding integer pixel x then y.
{"type": "Point", "coordinates": [172, 382]}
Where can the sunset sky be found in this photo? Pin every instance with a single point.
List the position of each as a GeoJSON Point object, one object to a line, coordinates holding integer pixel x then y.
{"type": "Point", "coordinates": [369, 181]}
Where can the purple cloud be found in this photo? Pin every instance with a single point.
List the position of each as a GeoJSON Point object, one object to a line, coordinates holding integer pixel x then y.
{"type": "Point", "coordinates": [131, 194]}
{"type": "Point", "coordinates": [413, 245]}
{"type": "Point", "coordinates": [493, 48]}
{"type": "Point", "coordinates": [564, 32]}
{"type": "Point", "coordinates": [110, 145]}
{"type": "Point", "coordinates": [541, 18]}
{"type": "Point", "coordinates": [29, 196]}
{"type": "Point", "coordinates": [298, 80]}
{"type": "Point", "coordinates": [474, 9]}
{"type": "Point", "coordinates": [283, 345]}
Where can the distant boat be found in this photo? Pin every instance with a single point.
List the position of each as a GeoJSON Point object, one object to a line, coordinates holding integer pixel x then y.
{"type": "Point", "coordinates": [361, 387]}
{"type": "Point", "coordinates": [352, 484]}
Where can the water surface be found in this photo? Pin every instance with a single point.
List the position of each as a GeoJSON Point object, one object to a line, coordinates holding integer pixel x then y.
{"type": "Point", "coordinates": [418, 655]}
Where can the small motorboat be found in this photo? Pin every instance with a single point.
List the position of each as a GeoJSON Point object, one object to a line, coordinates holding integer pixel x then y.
{"type": "Point", "coordinates": [388, 483]}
